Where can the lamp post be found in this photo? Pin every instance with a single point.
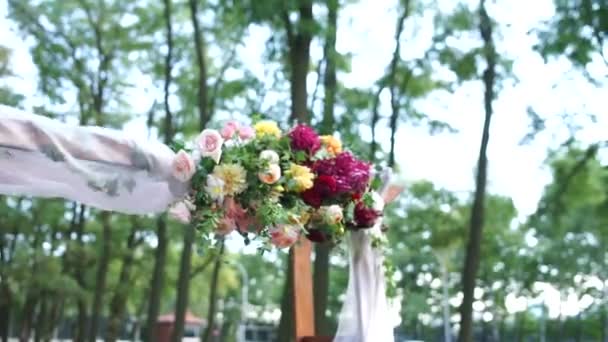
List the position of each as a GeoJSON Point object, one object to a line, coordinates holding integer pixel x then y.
{"type": "Point", "coordinates": [244, 300]}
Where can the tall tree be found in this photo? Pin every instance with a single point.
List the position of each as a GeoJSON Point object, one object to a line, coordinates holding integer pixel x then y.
{"type": "Point", "coordinates": [211, 312]}
{"type": "Point", "coordinates": [118, 303]}
{"type": "Point", "coordinates": [392, 81]}
{"type": "Point", "coordinates": [322, 250]}
{"type": "Point", "coordinates": [299, 35]}
{"type": "Point", "coordinates": [160, 254]}
{"type": "Point", "coordinates": [183, 284]}
{"type": "Point", "coordinates": [471, 263]}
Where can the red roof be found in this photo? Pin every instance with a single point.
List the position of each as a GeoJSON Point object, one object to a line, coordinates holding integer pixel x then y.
{"type": "Point", "coordinates": [170, 318]}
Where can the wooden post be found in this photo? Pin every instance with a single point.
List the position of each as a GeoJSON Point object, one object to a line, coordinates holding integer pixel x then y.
{"type": "Point", "coordinates": [302, 290]}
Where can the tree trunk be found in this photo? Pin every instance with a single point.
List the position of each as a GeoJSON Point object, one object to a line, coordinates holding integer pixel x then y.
{"type": "Point", "coordinates": [158, 278]}
{"type": "Point", "coordinates": [501, 330]}
{"type": "Point", "coordinates": [520, 326]}
{"type": "Point", "coordinates": [101, 276]}
{"type": "Point", "coordinates": [603, 324]}
{"type": "Point", "coordinates": [579, 328]}
{"type": "Point", "coordinates": [374, 123]}
{"type": "Point", "coordinates": [82, 322]}
{"type": "Point", "coordinates": [160, 255]}
{"type": "Point", "coordinates": [604, 316]}
{"type": "Point", "coordinates": [41, 318]}
{"type": "Point", "coordinates": [471, 264]}
{"type": "Point", "coordinates": [560, 322]}
{"type": "Point", "coordinates": [5, 311]}
{"type": "Point", "coordinates": [496, 328]}
{"type": "Point", "coordinates": [395, 108]}
{"type": "Point", "coordinates": [199, 47]}
{"type": "Point", "coordinates": [121, 293]}
{"type": "Point", "coordinates": [183, 284]}
{"type": "Point", "coordinates": [447, 333]}
{"type": "Point", "coordinates": [27, 318]}
{"type": "Point", "coordinates": [329, 77]}
{"type": "Point", "coordinates": [322, 250]}
{"type": "Point", "coordinates": [484, 331]}
{"type": "Point", "coordinates": [211, 313]}
{"type": "Point", "coordinates": [299, 56]}
{"type": "Point", "coordinates": [286, 326]}
{"type": "Point", "coordinates": [321, 288]}
{"type": "Point", "coordinates": [543, 324]}
{"type": "Point", "coordinates": [55, 317]}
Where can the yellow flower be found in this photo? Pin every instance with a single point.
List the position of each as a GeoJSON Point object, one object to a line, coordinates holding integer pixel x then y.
{"type": "Point", "coordinates": [302, 176]}
{"type": "Point", "coordinates": [332, 144]}
{"type": "Point", "coordinates": [276, 193]}
{"type": "Point", "coordinates": [304, 217]}
{"type": "Point", "coordinates": [299, 219]}
{"type": "Point", "coordinates": [234, 177]}
{"type": "Point", "coordinates": [267, 128]}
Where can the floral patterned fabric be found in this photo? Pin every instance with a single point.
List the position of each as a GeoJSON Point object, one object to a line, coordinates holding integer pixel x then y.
{"type": "Point", "coordinates": [96, 166]}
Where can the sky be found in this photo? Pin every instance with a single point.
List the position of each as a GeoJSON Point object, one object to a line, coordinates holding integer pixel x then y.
{"type": "Point", "coordinates": [366, 30]}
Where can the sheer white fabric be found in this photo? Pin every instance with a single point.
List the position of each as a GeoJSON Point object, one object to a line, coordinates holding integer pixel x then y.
{"type": "Point", "coordinates": [100, 167]}
{"type": "Point", "coordinates": [365, 315]}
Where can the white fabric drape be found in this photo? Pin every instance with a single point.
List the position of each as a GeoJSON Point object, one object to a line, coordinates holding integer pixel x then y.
{"type": "Point", "coordinates": [365, 315]}
{"type": "Point", "coordinates": [100, 167]}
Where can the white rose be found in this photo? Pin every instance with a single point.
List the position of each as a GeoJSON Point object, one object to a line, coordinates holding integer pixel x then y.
{"type": "Point", "coordinates": [270, 155]}
{"type": "Point", "coordinates": [183, 167]}
{"type": "Point", "coordinates": [215, 188]}
{"type": "Point", "coordinates": [209, 143]}
{"type": "Point", "coordinates": [180, 212]}
{"type": "Point", "coordinates": [333, 214]}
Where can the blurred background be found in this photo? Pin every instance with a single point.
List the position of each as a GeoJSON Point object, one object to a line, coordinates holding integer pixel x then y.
{"type": "Point", "coordinates": [509, 232]}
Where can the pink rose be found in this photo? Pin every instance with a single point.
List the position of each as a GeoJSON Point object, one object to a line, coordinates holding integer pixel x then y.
{"type": "Point", "coordinates": [229, 129]}
{"type": "Point", "coordinates": [271, 175]}
{"type": "Point", "coordinates": [246, 132]}
{"type": "Point", "coordinates": [284, 236]}
{"type": "Point", "coordinates": [183, 167]}
{"type": "Point", "coordinates": [180, 212]}
{"type": "Point", "coordinates": [209, 144]}
{"type": "Point", "coordinates": [232, 208]}
{"type": "Point", "coordinates": [225, 226]}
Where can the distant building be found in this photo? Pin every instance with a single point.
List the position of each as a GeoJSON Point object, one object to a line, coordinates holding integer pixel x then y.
{"type": "Point", "coordinates": [192, 328]}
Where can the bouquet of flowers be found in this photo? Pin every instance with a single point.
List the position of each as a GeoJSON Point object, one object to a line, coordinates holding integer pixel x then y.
{"type": "Point", "coordinates": [274, 185]}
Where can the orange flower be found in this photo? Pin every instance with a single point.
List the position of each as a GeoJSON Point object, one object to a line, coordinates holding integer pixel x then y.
{"type": "Point", "coordinates": [332, 144]}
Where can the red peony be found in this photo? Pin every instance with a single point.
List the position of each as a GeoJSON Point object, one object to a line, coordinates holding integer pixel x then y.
{"type": "Point", "coordinates": [365, 217]}
{"type": "Point", "coordinates": [316, 235]}
{"type": "Point", "coordinates": [312, 198]}
{"type": "Point", "coordinates": [350, 173]}
{"type": "Point", "coordinates": [326, 185]}
{"type": "Point", "coordinates": [304, 138]}
{"type": "Point", "coordinates": [356, 173]}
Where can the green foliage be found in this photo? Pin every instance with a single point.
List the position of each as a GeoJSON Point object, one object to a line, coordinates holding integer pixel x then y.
{"type": "Point", "coordinates": [578, 31]}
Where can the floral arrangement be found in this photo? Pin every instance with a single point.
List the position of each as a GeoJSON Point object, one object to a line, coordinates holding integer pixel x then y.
{"type": "Point", "coordinates": [273, 185]}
